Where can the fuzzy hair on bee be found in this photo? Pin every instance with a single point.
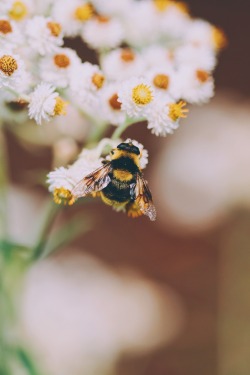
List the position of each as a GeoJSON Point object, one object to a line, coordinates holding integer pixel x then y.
{"type": "Point", "coordinates": [120, 183]}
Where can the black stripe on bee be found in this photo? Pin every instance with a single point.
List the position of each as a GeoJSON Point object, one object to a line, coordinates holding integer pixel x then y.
{"type": "Point", "coordinates": [126, 164]}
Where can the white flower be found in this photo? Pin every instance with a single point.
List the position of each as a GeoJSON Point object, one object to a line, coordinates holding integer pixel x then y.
{"type": "Point", "coordinates": [45, 103]}
{"type": "Point", "coordinates": [43, 35]}
{"type": "Point", "coordinates": [72, 15]}
{"type": "Point", "coordinates": [12, 71]}
{"type": "Point", "coordinates": [195, 56]}
{"type": "Point", "coordinates": [202, 33]}
{"type": "Point", "coordinates": [140, 23]}
{"type": "Point", "coordinates": [194, 85]}
{"type": "Point", "coordinates": [162, 78]}
{"type": "Point", "coordinates": [122, 63]}
{"type": "Point", "coordinates": [113, 8]}
{"type": "Point", "coordinates": [163, 117]}
{"type": "Point", "coordinates": [102, 33]}
{"type": "Point", "coordinates": [58, 68]}
{"type": "Point", "coordinates": [110, 107]}
{"type": "Point", "coordinates": [173, 21]}
{"type": "Point", "coordinates": [85, 82]}
{"type": "Point", "coordinates": [62, 180]}
{"type": "Point", "coordinates": [158, 55]}
{"type": "Point", "coordinates": [136, 96]}
{"type": "Point", "coordinates": [10, 34]}
{"type": "Point", "coordinates": [143, 152]}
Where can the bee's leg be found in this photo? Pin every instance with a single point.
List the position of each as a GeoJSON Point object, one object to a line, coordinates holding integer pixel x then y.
{"type": "Point", "coordinates": [105, 162]}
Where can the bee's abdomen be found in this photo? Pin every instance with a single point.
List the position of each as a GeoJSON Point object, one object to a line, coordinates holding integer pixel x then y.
{"type": "Point", "coordinates": [117, 191]}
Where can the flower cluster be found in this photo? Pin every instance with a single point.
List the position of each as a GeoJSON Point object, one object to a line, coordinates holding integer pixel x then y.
{"type": "Point", "coordinates": [153, 59]}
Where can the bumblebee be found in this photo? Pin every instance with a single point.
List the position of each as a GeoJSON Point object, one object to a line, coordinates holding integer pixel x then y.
{"type": "Point", "coordinates": [120, 183]}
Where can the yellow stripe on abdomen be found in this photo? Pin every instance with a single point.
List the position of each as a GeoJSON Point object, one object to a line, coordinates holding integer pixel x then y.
{"type": "Point", "coordinates": [122, 175]}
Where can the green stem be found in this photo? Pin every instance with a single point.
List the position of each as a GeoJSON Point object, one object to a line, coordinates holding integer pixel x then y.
{"type": "Point", "coordinates": [50, 215]}
{"type": "Point", "coordinates": [121, 129]}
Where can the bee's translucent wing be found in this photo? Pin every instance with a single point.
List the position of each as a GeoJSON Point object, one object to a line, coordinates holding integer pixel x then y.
{"type": "Point", "coordinates": [93, 182]}
{"type": "Point", "coordinates": [143, 197]}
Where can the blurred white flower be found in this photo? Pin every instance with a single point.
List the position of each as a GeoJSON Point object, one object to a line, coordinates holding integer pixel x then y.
{"type": "Point", "coordinates": [110, 106]}
{"type": "Point", "coordinates": [85, 81]}
{"type": "Point", "coordinates": [58, 68]}
{"type": "Point", "coordinates": [10, 34]}
{"type": "Point", "coordinates": [122, 63]}
{"type": "Point", "coordinates": [202, 179]}
{"type": "Point", "coordinates": [201, 57]}
{"type": "Point", "coordinates": [44, 35]}
{"type": "Point", "coordinates": [102, 33]}
{"type": "Point", "coordinates": [72, 15]}
{"type": "Point", "coordinates": [140, 23]}
{"type": "Point", "coordinates": [102, 313]}
{"type": "Point", "coordinates": [195, 86]}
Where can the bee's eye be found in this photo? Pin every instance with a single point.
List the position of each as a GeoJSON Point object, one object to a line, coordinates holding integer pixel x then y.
{"type": "Point", "coordinates": [112, 152]}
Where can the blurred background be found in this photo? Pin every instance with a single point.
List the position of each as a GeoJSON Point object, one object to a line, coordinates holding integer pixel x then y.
{"type": "Point", "coordinates": [170, 297]}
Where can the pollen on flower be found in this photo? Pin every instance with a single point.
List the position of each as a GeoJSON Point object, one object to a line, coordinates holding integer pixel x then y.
{"type": "Point", "coordinates": [60, 107]}
{"type": "Point", "coordinates": [202, 76]}
{"type": "Point", "coordinates": [5, 27]}
{"type": "Point", "coordinates": [102, 19]}
{"type": "Point", "coordinates": [55, 28]}
{"type": "Point", "coordinates": [219, 38]}
{"type": "Point", "coordinates": [63, 196]}
{"type": "Point", "coordinates": [8, 65]}
{"type": "Point", "coordinates": [98, 80]}
{"type": "Point", "coordinates": [161, 81]}
{"type": "Point", "coordinates": [61, 60]}
{"type": "Point", "coordinates": [177, 110]}
{"type": "Point", "coordinates": [84, 12]}
{"type": "Point", "coordinates": [127, 55]}
{"type": "Point", "coordinates": [18, 11]}
{"type": "Point", "coordinates": [142, 94]}
{"type": "Point", "coordinates": [114, 104]}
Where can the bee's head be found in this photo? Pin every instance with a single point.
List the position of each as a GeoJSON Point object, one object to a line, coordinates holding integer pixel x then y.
{"type": "Point", "coordinates": [129, 147]}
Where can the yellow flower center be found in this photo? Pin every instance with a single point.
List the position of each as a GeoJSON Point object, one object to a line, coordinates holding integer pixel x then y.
{"type": "Point", "coordinates": [114, 104]}
{"type": "Point", "coordinates": [98, 80]}
{"type": "Point", "coordinates": [177, 110]}
{"type": "Point", "coordinates": [161, 81]}
{"type": "Point", "coordinates": [219, 38]}
{"type": "Point", "coordinates": [18, 11]}
{"type": "Point", "coordinates": [60, 107]}
{"type": "Point", "coordinates": [162, 5]}
{"type": "Point", "coordinates": [63, 196]}
{"type": "Point", "coordinates": [61, 60]}
{"type": "Point", "coordinates": [142, 94]}
{"type": "Point", "coordinates": [84, 12]}
{"type": "Point", "coordinates": [202, 76]}
{"type": "Point", "coordinates": [8, 65]}
{"type": "Point", "coordinates": [55, 28]}
{"type": "Point", "coordinates": [127, 55]}
{"type": "Point", "coordinates": [5, 27]}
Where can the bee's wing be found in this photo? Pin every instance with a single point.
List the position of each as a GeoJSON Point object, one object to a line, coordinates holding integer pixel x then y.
{"type": "Point", "coordinates": [93, 182]}
{"type": "Point", "coordinates": [143, 197]}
